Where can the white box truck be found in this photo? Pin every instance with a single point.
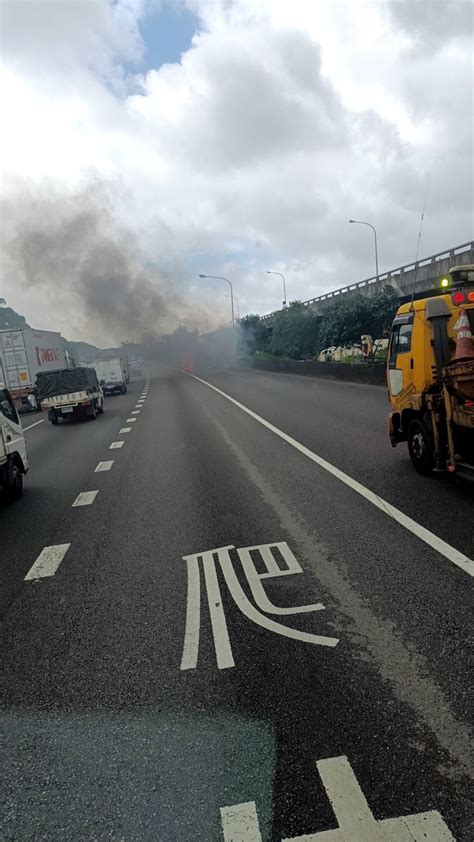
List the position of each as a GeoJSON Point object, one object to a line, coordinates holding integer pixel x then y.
{"type": "Point", "coordinates": [112, 375]}
{"type": "Point", "coordinates": [24, 353]}
{"type": "Point", "coordinates": [13, 455]}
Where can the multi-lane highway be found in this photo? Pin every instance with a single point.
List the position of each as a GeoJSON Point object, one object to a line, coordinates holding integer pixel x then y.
{"type": "Point", "coordinates": [232, 612]}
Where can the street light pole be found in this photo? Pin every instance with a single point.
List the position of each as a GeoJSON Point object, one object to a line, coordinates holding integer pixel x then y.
{"type": "Point", "coordinates": [358, 222]}
{"type": "Point", "coordinates": [284, 284]}
{"type": "Point", "coordinates": [238, 306]}
{"type": "Point", "coordinates": [219, 278]}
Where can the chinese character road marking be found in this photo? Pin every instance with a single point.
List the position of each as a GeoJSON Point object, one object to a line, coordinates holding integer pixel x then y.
{"type": "Point", "coordinates": [222, 644]}
{"type": "Point", "coordinates": [354, 816]}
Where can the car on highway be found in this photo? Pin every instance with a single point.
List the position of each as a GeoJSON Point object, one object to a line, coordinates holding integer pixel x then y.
{"type": "Point", "coordinates": [13, 455]}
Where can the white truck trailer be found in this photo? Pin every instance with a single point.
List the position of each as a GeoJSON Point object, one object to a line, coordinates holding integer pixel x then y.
{"type": "Point", "coordinates": [24, 353]}
{"type": "Point", "coordinates": [112, 374]}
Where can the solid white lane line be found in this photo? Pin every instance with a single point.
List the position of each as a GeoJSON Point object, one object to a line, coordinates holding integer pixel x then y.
{"type": "Point", "coordinates": [124, 430]}
{"type": "Point", "coordinates": [240, 823]}
{"type": "Point", "coordinates": [131, 420]}
{"type": "Point", "coordinates": [136, 412]}
{"type": "Point", "coordinates": [104, 466]}
{"type": "Point", "coordinates": [449, 552]}
{"type": "Point", "coordinates": [85, 498]}
{"type": "Point", "coordinates": [33, 425]}
{"type": "Point", "coordinates": [116, 445]}
{"type": "Point", "coordinates": [47, 562]}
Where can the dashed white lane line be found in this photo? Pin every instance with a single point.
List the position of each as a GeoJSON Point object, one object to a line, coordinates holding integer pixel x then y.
{"type": "Point", "coordinates": [131, 420]}
{"type": "Point", "coordinates": [47, 562]}
{"type": "Point", "coordinates": [104, 466]}
{"type": "Point", "coordinates": [85, 498]}
{"type": "Point", "coordinates": [136, 412]}
{"type": "Point", "coordinates": [124, 430]}
{"type": "Point", "coordinates": [449, 552]}
{"type": "Point", "coordinates": [34, 425]}
{"type": "Point", "coordinates": [116, 445]}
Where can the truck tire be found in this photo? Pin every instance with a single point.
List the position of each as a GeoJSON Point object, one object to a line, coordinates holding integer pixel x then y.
{"type": "Point", "coordinates": [54, 419]}
{"type": "Point", "coordinates": [14, 488]}
{"type": "Point", "coordinates": [100, 407]}
{"type": "Point", "coordinates": [420, 447]}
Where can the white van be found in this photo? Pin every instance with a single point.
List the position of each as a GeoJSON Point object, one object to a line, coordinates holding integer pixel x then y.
{"type": "Point", "coordinates": [13, 456]}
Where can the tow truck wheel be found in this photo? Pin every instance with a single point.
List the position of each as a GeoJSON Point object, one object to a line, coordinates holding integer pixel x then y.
{"type": "Point", "coordinates": [100, 407]}
{"type": "Point", "coordinates": [420, 447]}
{"type": "Point", "coordinates": [54, 419]}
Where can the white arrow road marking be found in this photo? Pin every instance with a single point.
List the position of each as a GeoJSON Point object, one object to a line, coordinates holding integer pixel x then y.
{"type": "Point", "coordinates": [354, 816]}
{"type": "Point", "coordinates": [240, 823]}
{"type": "Point", "coordinates": [47, 562]}
{"type": "Point", "coordinates": [85, 498]}
{"type": "Point", "coordinates": [104, 466]}
{"type": "Point", "coordinates": [449, 552]}
{"type": "Point", "coordinates": [116, 445]}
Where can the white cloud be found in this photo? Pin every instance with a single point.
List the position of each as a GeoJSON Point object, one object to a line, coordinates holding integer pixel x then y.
{"type": "Point", "coordinates": [281, 121]}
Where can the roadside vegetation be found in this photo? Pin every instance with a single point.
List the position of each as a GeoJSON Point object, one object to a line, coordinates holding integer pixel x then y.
{"type": "Point", "coordinates": [297, 333]}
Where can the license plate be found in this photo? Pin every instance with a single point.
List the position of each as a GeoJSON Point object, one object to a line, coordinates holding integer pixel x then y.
{"type": "Point", "coordinates": [67, 409]}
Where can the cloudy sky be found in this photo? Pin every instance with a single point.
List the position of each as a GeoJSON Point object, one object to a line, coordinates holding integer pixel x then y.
{"type": "Point", "coordinates": [163, 138]}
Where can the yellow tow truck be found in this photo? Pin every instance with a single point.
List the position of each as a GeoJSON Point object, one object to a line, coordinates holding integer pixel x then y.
{"type": "Point", "coordinates": [430, 375]}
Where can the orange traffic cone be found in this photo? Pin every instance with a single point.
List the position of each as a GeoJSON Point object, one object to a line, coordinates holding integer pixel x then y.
{"type": "Point", "coordinates": [464, 342]}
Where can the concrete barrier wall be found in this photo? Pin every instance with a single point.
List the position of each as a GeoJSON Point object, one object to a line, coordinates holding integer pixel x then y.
{"type": "Point", "coordinates": [372, 374]}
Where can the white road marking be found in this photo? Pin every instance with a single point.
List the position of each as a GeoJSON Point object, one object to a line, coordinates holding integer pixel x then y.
{"type": "Point", "coordinates": [47, 562]}
{"type": "Point", "coordinates": [271, 570]}
{"type": "Point", "coordinates": [354, 816]}
{"type": "Point", "coordinates": [222, 645]}
{"type": "Point", "coordinates": [124, 430]}
{"type": "Point", "coordinates": [193, 616]}
{"type": "Point", "coordinates": [445, 549]}
{"type": "Point", "coordinates": [136, 412]}
{"type": "Point", "coordinates": [240, 823]}
{"type": "Point", "coordinates": [104, 466]}
{"type": "Point", "coordinates": [85, 498]}
{"type": "Point", "coordinates": [218, 622]}
{"type": "Point", "coordinates": [116, 445]}
{"type": "Point", "coordinates": [131, 420]}
{"type": "Point", "coordinates": [33, 425]}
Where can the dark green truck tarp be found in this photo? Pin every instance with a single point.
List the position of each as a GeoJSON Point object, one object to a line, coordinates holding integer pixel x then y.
{"type": "Point", "coordinates": [53, 383]}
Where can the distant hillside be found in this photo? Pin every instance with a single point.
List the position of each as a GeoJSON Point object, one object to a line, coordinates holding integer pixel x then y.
{"type": "Point", "coordinates": [10, 319]}
{"type": "Point", "coordinates": [81, 350]}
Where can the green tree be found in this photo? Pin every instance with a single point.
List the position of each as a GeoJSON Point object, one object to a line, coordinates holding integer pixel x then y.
{"type": "Point", "coordinates": [254, 335]}
{"type": "Point", "coordinates": [295, 332]}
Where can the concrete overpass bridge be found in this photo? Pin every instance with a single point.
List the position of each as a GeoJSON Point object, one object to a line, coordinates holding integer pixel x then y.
{"type": "Point", "coordinates": [406, 280]}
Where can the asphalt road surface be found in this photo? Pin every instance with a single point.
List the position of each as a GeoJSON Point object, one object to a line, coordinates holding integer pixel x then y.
{"type": "Point", "coordinates": [256, 627]}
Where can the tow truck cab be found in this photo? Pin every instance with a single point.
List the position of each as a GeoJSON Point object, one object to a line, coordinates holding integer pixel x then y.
{"type": "Point", "coordinates": [430, 389]}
